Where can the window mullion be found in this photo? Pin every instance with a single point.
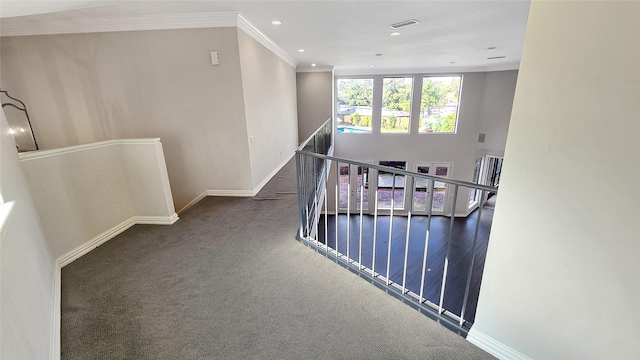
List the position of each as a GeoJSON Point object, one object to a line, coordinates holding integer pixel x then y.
{"type": "Point", "coordinates": [376, 111]}
{"type": "Point", "coordinates": [416, 100]}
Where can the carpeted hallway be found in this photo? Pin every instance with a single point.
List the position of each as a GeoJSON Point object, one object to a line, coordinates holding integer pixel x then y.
{"type": "Point", "coordinates": [229, 281]}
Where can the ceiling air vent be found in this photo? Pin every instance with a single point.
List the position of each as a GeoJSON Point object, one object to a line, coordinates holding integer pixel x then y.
{"type": "Point", "coordinates": [404, 23]}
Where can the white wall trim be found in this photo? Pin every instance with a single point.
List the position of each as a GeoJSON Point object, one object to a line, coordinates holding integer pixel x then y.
{"type": "Point", "coordinates": [193, 202]}
{"type": "Point", "coordinates": [245, 25]}
{"type": "Point", "coordinates": [54, 352]}
{"type": "Point", "coordinates": [153, 22]}
{"type": "Point", "coordinates": [127, 23]}
{"type": "Point", "coordinates": [435, 70]}
{"type": "Point", "coordinates": [273, 173]}
{"type": "Point", "coordinates": [156, 220]}
{"type": "Point", "coordinates": [238, 193]}
{"type": "Point", "coordinates": [493, 346]}
{"type": "Point", "coordinates": [235, 193]}
{"type": "Point", "coordinates": [319, 68]}
{"type": "Point", "coordinates": [83, 249]}
{"type": "Point", "coordinates": [32, 155]}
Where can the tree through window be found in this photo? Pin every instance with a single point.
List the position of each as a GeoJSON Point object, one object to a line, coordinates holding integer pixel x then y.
{"type": "Point", "coordinates": [439, 104]}
{"type": "Point", "coordinates": [396, 105]}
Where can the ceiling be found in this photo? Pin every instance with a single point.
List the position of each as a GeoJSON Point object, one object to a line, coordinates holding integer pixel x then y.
{"type": "Point", "coordinates": [450, 36]}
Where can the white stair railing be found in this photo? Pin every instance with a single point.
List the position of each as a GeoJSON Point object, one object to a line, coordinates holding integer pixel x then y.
{"type": "Point", "coordinates": [315, 163]}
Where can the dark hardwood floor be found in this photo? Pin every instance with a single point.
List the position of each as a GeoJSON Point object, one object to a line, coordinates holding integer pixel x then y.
{"type": "Point", "coordinates": [459, 257]}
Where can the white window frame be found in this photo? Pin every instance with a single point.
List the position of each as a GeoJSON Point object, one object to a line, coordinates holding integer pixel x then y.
{"type": "Point", "coordinates": [416, 100]}
{"type": "Point", "coordinates": [455, 127]}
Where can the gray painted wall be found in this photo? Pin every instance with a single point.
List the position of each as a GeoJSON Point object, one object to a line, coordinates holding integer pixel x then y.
{"type": "Point", "coordinates": [269, 89]}
{"type": "Point", "coordinates": [485, 106]}
{"type": "Point", "coordinates": [495, 112]}
{"type": "Point", "coordinates": [562, 276]}
{"type": "Point", "coordinates": [82, 88]}
{"type": "Point", "coordinates": [314, 101]}
{"type": "Point", "coordinates": [26, 267]}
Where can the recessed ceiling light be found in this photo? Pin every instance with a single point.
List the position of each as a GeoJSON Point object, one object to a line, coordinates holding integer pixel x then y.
{"type": "Point", "coordinates": [496, 57]}
{"type": "Point", "coordinates": [371, 65]}
{"type": "Point", "coordinates": [276, 22]}
{"type": "Point", "coordinates": [300, 50]}
{"type": "Point", "coordinates": [313, 65]}
{"type": "Point", "coordinates": [395, 33]}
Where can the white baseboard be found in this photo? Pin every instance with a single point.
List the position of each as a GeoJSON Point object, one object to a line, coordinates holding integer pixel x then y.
{"type": "Point", "coordinates": [238, 193]}
{"type": "Point", "coordinates": [156, 220]}
{"type": "Point", "coordinates": [235, 193]}
{"type": "Point", "coordinates": [266, 179]}
{"type": "Point", "coordinates": [79, 251]}
{"type": "Point", "coordinates": [54, 349]}
{"type": "Point", "coordinates": [83, 249]}
{"type": "Point", "coordinates": [193, 202]}
{"type": "Point", "coordinates": [76, 253]}
{"type": "Point", "coordinates": [493, 346]}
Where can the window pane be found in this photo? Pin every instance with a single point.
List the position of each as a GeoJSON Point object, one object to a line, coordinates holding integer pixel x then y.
{"type": "Point", "coordinates": [440, 189]}
{"type": "Point", "coordinates": [363, 179]}
{"type": "Point", "coordinates": [420, 193]}
{"type": "Point", "coordinates": [391, 186]}
{"type": "Point", "coordinates": [344, 187]}
{"type": "Point", "coordinates": [355, 97]}
{"type": "Point", "coordinates": [439, 104]}
{"type": "Point", "coordinates": [396, 105]}
{"type": "Point", "coordinates": [473, 193]}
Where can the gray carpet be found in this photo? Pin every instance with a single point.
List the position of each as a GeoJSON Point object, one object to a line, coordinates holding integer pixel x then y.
{"type": "Point", "coordinates": [229, 281]}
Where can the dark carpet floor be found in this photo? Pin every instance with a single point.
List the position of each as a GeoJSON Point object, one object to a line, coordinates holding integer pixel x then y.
{"type": "Point", "coordinates": [229, 281]}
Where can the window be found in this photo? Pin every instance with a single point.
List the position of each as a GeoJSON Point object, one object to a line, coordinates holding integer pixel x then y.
{"type": "Point", "coordinates": [391, 186]}
{"type": "Point", "coordinates": [396, 105]}
{"type": "Point", "coordinates": [344, 187]}
{"type": "Point", "coordinates": [439, 104]}
{"type": "Point", "coordinates": [473, 193]}
{"type": "Point", "coordinates": [420, 194]}
{"type": "Point", "coordinates": [355, 98]}
{"type": "Point", "coordinates": [359, 178]}
{"type": "Point", "coordinates": [362, 181]}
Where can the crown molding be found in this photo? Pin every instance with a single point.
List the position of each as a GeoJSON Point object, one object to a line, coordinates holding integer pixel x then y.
{"type": "Point", "coordinates": [123, 23]}
{"type": "Point", "coordinates": [425, 70]}
{"type": "Point", "coordinates": [319, 68]}
{"type": "Point", "coordinates": [245, 25]}
{"type": "Point", "coordinates": [149, 22]}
